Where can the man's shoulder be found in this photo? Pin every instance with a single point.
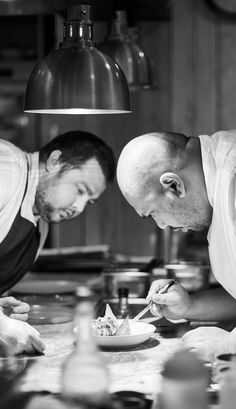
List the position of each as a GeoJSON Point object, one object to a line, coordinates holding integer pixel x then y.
{"type": "Point", "coordinates": [219, 134]}
{"type": "Point", "coordinates": [224, 135]}
{"type": "Point", "coordinates": [219, 142]}
{"type": "Point", "coordinates": [11, 153]}
{"type": "Point", "coordinates": [8, 146]}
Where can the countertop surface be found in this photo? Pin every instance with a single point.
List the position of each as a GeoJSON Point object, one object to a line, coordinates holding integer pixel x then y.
{"type": "Point", "coordinates": [137, 368]}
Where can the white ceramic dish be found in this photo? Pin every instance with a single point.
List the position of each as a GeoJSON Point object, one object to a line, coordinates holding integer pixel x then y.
{"type": "Point", "coordinates": [140, 332]}
{"type": "Point", "coordinates": [44, 287]}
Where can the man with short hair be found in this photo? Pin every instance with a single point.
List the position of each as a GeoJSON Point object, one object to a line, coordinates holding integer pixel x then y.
{"type": "Point", "coordinates": [49, 186]}
{"type": "Point", "coordinates": [189, 183]}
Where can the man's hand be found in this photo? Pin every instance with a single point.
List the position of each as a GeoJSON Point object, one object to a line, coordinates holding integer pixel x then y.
{"type": "Point", "coordinates": [14, 308]}
{"type": "Point", "coordinates": [20, 336]}
{"type": "Point", "coordinates": [208, 342]}
{"type": "Point", "coordinates": [173, 305]}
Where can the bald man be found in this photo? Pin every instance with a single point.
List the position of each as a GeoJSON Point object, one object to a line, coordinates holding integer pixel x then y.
{"type": "Point", "coordinates": [189, 184]}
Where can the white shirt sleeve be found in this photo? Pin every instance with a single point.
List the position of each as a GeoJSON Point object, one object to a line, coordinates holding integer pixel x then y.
{"type": "Point", "coordinates": [9, 178]}
{"type": "Point", "coordinates": [13, 175]}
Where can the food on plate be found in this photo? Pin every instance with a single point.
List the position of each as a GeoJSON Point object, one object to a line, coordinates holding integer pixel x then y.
{"type": "Point", "coordinates": [104, 327]}
{"type": "Point", "coordinates": [109, 325]}
{"type": "Point", "coordinates": [124, 328]}
{"type": "Point", "coordinates": [109, 313]}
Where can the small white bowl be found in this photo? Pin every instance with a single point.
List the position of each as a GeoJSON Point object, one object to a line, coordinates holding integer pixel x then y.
{"type": "Point", "coordinates": [140, 332]}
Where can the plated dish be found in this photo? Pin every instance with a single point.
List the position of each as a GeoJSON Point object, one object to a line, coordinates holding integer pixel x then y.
{"type": "Point", "coordinates": [110, 326]}
{"type": "Point", "coordinates": [140, 332]}
{"type": "Point", "coordinates": [111, 332]}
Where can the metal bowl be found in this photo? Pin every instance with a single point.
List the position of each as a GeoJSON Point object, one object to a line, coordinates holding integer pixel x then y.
{"type": "Point", "coordinates": [137, 282]}
{"type": "Point", "coordinates": [192, 276]}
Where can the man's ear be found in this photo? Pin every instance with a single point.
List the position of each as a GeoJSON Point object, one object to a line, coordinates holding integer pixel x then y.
{"type": "Point", "coordinates": [173, 183]}
{"type": "Point", "coordinates": [53, 161]}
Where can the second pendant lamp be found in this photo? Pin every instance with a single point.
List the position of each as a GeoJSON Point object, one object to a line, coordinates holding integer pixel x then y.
{"type": "Point", "coordinates": [77, 78]}
{"type": "Point", "coordinates": [121, 44]}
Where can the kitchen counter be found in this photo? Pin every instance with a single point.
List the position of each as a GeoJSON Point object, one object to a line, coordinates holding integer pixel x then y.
{"type": "Point", "coordinates": [136, 369]}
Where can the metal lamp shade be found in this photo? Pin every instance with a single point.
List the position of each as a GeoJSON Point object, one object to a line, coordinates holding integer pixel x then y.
{"type": "Point", "coordinates": [77, 80]}
{"type": "Point", "coordinates": [121, 44]}
{"type": "Point", "coordinates": [124, 55]}
{"type": "Point", "coordinates": [144, 75]}
{"type": "Point", "coordinates": [131, 59]}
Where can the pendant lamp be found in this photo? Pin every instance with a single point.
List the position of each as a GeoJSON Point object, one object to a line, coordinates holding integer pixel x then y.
{"type": "Point", "coordinates": [77, 78]}
{"type": "Point", "coordinates": [121, 44]}
{"type": "Point", "coordinates": [144, 70]}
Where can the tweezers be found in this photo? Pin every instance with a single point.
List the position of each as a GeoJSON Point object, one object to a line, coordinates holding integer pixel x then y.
{"type": "Point", "coordinates": [163, 290]}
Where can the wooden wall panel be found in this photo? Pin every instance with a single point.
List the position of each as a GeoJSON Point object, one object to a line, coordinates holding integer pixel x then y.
{"type": "Point", "coordinates": [193, 68]}
{"type": "Point", "coordinates": [181, 72]}
{"type": "Point", "coordinates": [204, 69]}
{"type": "Point", "coordinates": [203, 61]}
{"type": "Point", "coordinates": [227, 74]}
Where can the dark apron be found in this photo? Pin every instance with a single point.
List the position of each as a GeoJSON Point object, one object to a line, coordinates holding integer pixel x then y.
{"type": "Point", "coordinates": [17, 251]}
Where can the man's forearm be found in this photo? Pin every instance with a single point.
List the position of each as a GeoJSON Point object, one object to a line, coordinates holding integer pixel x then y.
{"type": "Point", "coordinates": [212, 305]}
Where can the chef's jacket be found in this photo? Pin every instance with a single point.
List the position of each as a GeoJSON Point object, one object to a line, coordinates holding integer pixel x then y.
{"type": "Point", "coordinates": [22, 233]}
{"type": "Point", "coordinates": [219, 167]}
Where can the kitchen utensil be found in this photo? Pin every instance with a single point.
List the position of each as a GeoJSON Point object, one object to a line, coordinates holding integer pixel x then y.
{"type": "Point", "coordinates": [192, 276]}
{"type": "Point", "coordinates": [138, 283]}
{"type": "Point", "coordinates": [162, 291]}
{"type": "Point", "coordinates": [44, 287]}
{"type": "Point", "coordinates": [146, 309]}
{"type": "Point", "coordinates": [140, 332]}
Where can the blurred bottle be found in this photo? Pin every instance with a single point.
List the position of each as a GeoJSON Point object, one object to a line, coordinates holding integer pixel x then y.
{"type": "Point", "coordinates": [123, 303]}
{"type": "Point", "coordinates": [228, 387]}
{"type": "Point", "coordinates": [10, 368]}
{"type": "Point", "coordinates": [85, 379]}
{"type": "Point", "coordinates": [184, 382]}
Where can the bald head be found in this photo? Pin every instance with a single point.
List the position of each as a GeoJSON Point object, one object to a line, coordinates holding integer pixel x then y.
{"type": "Point", "coordinates": [146, 157]}
{"type": "Point", "coordinates": [161, 175]}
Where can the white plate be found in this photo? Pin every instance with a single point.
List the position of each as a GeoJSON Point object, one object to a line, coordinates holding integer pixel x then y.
{"type": "Point", "coordinates": [44, 287]}
{"type": "Point", "coordinates": [140, 332]}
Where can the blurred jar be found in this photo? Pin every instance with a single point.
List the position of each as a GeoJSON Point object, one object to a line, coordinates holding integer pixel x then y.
{"type": "Point", "coordinates": [184, 382]}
